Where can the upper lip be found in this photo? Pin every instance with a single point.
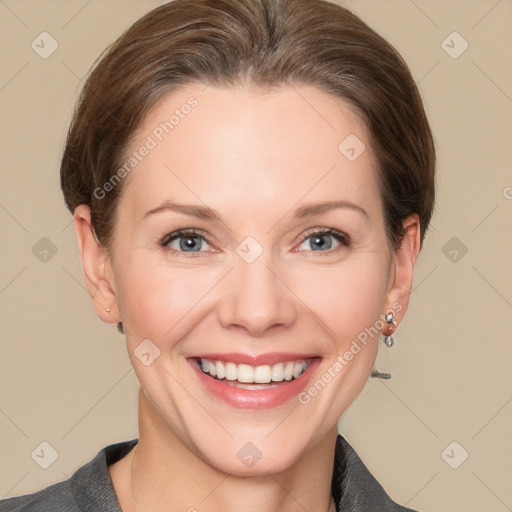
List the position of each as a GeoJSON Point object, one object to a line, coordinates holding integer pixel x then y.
{"type": "Point", "coordinates": [269, 358]}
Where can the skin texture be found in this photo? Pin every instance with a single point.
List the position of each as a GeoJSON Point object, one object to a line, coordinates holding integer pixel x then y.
{"type": "Point", "coordinates": [255, 158]}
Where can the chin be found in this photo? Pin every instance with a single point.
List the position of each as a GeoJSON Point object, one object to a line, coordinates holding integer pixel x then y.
{"type": "Point", "coordinates": [257, 450]}
{"type": "Point", "coordinates": [248, 458]}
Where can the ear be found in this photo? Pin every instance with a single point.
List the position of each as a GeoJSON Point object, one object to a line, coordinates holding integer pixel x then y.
{"type": "Point", "coordinates": [399, 290]}
{"type": "Point", "coordinates": [97, 267]}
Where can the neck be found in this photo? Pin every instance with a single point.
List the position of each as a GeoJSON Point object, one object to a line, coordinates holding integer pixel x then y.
{"type": "Point", "coordinates": [163, 473]}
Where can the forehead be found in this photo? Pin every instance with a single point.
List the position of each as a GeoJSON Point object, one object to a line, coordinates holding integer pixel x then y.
{"type": "Point", "coordinates": [232, 146]}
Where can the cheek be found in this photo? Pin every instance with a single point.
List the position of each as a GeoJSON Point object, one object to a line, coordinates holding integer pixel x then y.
{"type": "Point", "coordinates": [158, 300]}
{"type": "Point", "coordinates": [347, 298]}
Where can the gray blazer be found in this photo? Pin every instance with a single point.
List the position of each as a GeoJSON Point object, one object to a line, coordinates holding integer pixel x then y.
{"type": "Point", "coordinates": [90, 489]}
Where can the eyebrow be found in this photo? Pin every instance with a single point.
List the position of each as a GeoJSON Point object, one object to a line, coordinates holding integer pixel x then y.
{"type": "Point", "coordinates": [314, 209]}
{"type": "Point", "coordinates": [206, 213]}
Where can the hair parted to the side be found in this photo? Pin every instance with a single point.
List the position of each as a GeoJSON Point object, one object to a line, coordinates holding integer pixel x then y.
{"type": "Point", "coordinates": [262, 44]}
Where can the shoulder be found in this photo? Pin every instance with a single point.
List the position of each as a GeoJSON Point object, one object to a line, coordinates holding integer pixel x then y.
{"type": "Point", "coordinates": [57, 497]}
{"type": "Point", "coordinates": [354, 488]}
{"type": "Point", "coordinates": [88, 489]}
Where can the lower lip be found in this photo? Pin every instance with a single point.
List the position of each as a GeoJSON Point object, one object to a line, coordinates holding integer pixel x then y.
{"type": "Point", "coordinates": [257, 398]}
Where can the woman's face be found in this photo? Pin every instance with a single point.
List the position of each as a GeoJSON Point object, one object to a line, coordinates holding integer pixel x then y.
{"type": "Point", "coordinates": [287, 262]}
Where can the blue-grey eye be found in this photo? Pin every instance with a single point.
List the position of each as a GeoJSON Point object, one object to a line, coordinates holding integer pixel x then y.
{"type": "Point", "coordinates": [319, 242]}
{"type": "Point", "coordinates": [322, 241]}
{"type": "Point", "coordinates": [186, 242]}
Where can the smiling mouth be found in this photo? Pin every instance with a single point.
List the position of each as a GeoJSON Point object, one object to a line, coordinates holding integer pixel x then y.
{"type": "Point", "coordinates": [245, 376]}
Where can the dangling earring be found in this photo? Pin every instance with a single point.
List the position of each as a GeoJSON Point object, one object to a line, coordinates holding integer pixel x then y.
{"type": "Point", "coordinates": [389, 341]}
{"type": "Point", "coordinates": [380, 375]}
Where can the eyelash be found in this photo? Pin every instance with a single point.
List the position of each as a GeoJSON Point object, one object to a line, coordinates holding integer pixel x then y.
{"type": "Point", "coordinates": [343, 238]}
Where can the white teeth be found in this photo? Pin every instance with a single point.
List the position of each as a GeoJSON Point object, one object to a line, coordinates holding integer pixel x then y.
{"type": "Point", "coordinates": [278, 372]}
{"type": "Point", "coordinates": [245, 373]}
{"type": "Point", "coordinates": [231, 371]}
{"type": "Point", "coordinates": [288, 371]}
{"type": "Point", "coordinates": [262, 374]}
{"type": "Point", "coordinates": [297, 369]}
{"type": "Point", "coordinates": [221, 372]}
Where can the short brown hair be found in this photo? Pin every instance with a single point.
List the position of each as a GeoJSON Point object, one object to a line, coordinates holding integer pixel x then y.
{"type": "Point", "coordinates": [265, 43]}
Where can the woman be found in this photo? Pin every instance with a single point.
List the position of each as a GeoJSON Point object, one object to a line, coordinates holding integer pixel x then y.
{"type": "Point", "coordinates": [251, 183]}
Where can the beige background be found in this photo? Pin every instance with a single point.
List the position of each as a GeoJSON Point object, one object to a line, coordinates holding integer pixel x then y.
{"type": "Point", "coordinates": [65, 376]}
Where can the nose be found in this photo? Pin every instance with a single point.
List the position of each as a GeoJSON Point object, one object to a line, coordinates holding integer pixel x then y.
{"type": "Point", "coordinates": [256, 299]}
